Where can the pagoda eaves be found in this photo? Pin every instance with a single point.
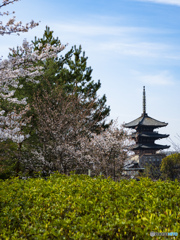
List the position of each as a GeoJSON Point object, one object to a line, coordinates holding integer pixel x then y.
{"type": "Point", "coordinates": [145, 120]}
{"type": "Point", "coordinates": [144, 146]}
{"type": "Point", "coordinates": [154, 135]}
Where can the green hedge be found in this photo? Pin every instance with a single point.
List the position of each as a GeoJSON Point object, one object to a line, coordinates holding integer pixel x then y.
{"type": "Point", "coordinates": [81, 207]}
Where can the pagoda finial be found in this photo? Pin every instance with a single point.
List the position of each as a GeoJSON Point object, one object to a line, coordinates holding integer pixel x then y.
{"type": "Point", "coordinates": [144, 100]}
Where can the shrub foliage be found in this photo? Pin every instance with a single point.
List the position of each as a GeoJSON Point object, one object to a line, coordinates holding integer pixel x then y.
{"type": "Point", "coordinates": [170, 167]}
{"type": "Point", "coordinates": [81, 207]}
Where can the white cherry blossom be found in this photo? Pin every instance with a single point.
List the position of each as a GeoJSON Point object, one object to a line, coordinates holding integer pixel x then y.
{"type": "Point", "coordinates": [21, 63]}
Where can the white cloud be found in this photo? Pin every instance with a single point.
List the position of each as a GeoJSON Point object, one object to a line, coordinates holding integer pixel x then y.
{"type": "Point", "coordinates": [96, 30]}
{"type": "Point", "coordinates": [161, 78]}
{"type": "Point", "coordinates": [171, 2]}
{"type": "Point", "coordinates": [106, 39]}
{"type": "Point", "coordinates": [127, 41]}
{"type": "Point", "coordinates": [99, 29]}
{"type": "Point", "coordinates": [137, 49]}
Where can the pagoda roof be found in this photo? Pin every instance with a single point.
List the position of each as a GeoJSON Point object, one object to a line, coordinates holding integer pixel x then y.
{"type": "Point", "coordinates": [154, 146]}
{"type": "Point", "coordinates": [150, 135]}
{"type": "Point", "coordinates": [145, 120]}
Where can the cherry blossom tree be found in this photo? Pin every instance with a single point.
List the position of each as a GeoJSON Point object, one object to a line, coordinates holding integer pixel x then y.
{"type": "Point", "coordinates": [64, 121]}
{"type": "Point", "coordinates": [67, 141]}
{"type": "Point", "coordinates": [106, 151]}
{"type": "Point", "coordinates": [19, 65]}
{"type": "Point", "coordinates": [22, 62]}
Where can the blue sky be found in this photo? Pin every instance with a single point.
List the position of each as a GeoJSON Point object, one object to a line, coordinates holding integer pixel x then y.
{"type": "Point", "coordinates": [129, 44]}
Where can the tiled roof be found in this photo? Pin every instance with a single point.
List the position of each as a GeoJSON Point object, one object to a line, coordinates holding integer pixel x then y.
{"type": "Point", "coordinates": [145, 120]}
{"type": "Point", "coordinates": [150, 135]}
{"type": "Point", "coordinates": [148, 146]}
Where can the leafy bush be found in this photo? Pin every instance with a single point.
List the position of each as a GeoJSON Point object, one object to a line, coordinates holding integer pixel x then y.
{"type": "Point", "coordinates": [170, 167]}
{"type": "Point", "coordinates": [81, 207]}
{"type": "Point", "coordinates": [151, 171]}
{"type": "Point", "coordinates": [8, 159]}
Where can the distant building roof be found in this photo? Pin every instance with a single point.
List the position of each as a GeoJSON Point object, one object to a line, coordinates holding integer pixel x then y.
{"type": "Point", "coordinates": [132, 166]}
{"type": "Point", "coordinates": [143, 146]}
{"type": "Point", "coordinates": [145, 120]}
{"type": "Point", "coordinates": [150, 135]}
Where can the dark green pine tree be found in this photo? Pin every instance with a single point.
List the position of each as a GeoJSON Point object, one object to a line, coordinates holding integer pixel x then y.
{"type": "Point", "coordinates": [69, 72]}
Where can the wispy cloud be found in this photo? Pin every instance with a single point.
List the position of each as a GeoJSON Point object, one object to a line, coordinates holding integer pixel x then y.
{"type": "Point", "coordinates": [127, 41]}
{"type": "Point", "coordinates": [162, 78]}
{"type": "Point", "coordinates": [87, 29]}
{"type": "Point", "coordinates": [171, 2]}
{"type": "Point", "coordinates": [110, 39]}
{"type": "Point", "coordinates": [137, 49]}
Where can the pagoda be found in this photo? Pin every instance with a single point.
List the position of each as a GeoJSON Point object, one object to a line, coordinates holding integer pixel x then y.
{"type": "Point", "coordinates": [145, 136]}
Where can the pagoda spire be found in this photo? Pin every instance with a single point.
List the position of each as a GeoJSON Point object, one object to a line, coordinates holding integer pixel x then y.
{"type": "Point", "coordinates": [144, 101]}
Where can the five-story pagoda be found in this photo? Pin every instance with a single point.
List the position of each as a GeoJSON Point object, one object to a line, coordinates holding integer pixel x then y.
{"type": "Point", "coordinates": [145, 136]}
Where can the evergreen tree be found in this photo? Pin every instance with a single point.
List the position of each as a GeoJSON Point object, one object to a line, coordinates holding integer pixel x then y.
{"type": "Point", "coordinates": [69, 72]}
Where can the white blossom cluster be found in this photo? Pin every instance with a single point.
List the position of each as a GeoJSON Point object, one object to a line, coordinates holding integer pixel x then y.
{"type": "Point", "coordinates": [106, 151]}
{"type": "Point", "coordinates": [10, 126]}
{"type": "Point", "coordinates": [21, 63]}
{"type": "Point", "coordinates": [66, 148]}
{"type": "Point", "coordinates": [11, 26]}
